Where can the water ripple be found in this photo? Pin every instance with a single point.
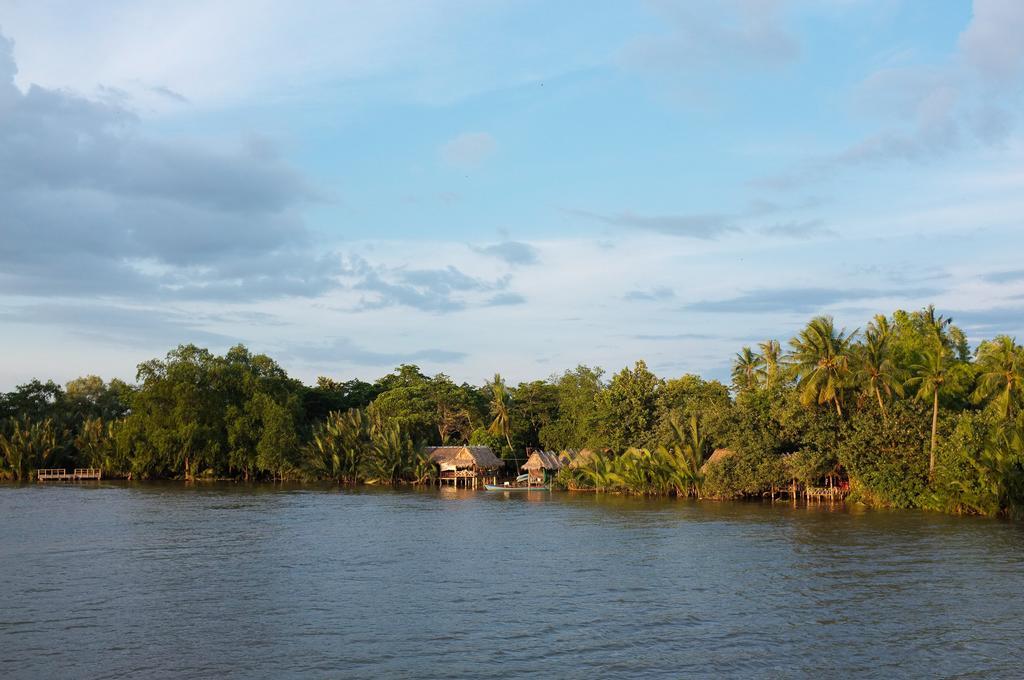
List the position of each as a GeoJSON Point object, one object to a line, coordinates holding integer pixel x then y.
{"type": "Point", "coordinates": [167, 581]}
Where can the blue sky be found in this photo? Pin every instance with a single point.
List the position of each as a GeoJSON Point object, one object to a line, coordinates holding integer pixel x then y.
{"type": "Point", "coordinates": [499, 186]}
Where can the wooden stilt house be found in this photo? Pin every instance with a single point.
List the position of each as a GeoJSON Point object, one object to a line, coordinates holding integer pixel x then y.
{"type": "Point", "coordinates": [468, 466]}
{"type": "Point", "coordinates": [542, 465]}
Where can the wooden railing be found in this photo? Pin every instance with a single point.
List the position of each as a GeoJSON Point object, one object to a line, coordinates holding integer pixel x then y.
{"type": "Point", "coordinates": [825, 493]}
{"type": "Point", "coordinates": [62, 475]}
{"type": "Point", "coordinates": [458, 474]}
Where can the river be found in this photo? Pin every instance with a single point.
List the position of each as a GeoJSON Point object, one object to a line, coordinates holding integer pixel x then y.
{"type": "Point", "coordinates": [174, 581]}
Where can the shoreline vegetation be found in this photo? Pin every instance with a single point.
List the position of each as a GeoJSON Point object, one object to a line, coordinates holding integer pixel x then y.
{"type": "Point", "coordinates": [903, 413]}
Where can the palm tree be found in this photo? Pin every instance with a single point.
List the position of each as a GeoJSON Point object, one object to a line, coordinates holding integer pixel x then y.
{"type": "Point", "coordinates": [821, 360]}
{"type": "Point", "coordinates": [499, 409]}
{"type": "Point", "coordinates": [689, 448]}
{"type": "Point", "coordinates": [1002, 379]}
{"type": "Point", "coordinates": [938, 326]}
{"type": "Point", "coordinates": [929, 376]}
{"type": "Point", "coordinates": [769, 372]}
{"type": "Point", "coordinates": [341, 445]}
{"type": "Point", "coordinates": [745, 368]}
{"type": "Point", "coordinates": [28, 446]}
{"type": "Point", "coordinates": [876, 372]}
{"type": "Point", "coordinates": [601, 472]}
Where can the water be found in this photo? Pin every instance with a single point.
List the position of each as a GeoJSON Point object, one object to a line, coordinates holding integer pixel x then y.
{"type": "Point", "coordinates": [165, 581]}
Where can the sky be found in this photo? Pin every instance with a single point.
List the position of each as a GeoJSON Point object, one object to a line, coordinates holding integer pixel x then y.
{"type": "Point", "coordinates": [489, 186]}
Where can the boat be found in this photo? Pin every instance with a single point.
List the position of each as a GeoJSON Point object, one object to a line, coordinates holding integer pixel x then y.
{"type": "Point", "coordinates": [517, 485]}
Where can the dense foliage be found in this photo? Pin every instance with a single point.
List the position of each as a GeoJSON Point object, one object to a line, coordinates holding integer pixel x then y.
{"type": "Point", "coordinates": [904, 411]}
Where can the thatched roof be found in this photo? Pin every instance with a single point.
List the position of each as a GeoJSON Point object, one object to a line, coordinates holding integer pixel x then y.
{"type": "Point", "coordinates": [717, 457]}
{"type": "Point", "coordinates": [578, 458]}
{"type": "Point", "coordinates": [465, 456]}
{"type": "Point", "coordinates": [545, 460]}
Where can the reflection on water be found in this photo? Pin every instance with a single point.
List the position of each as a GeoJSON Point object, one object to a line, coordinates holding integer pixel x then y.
{"type": "Point", "coordinates": [163, 580]}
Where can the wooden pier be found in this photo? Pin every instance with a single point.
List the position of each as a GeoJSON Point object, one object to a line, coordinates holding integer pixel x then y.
{"type": "Point", "coordinates": [62, 475]}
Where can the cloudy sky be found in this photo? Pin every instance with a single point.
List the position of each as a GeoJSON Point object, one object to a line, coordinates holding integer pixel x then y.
{"type": "Point", "coordinates": [516, 186]}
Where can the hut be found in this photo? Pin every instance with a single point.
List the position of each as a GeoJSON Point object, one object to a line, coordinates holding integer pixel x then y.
{"type": "Point", "coordinates": [465, 464]}
{"type": "Point", "coordinates": [541, 464]}
{"type": "Point", "coordinates": [717, 456]}
{"type": "Point", "coordinates": [575, 459]}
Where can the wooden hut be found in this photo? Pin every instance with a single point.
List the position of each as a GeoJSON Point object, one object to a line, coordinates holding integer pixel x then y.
{"type": "Point", "coordinates": [466, 465]}
{"type": "Point", "coordinates": [542, 464]}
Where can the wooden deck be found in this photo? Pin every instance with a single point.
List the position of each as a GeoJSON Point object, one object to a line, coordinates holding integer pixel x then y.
{"type": "Point", "coordinates": [62, 475]}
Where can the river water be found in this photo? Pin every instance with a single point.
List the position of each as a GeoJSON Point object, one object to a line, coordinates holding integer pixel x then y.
{"type": "Point", "coordinates": [169, 581]}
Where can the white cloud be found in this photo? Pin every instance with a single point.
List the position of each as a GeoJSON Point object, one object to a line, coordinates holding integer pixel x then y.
{"type": "Point", "coordinates": [95, 205]}
{"type": "Point", "coordinates": [216, 53]}
{"type": "Point", "coordinates": [994, 41]}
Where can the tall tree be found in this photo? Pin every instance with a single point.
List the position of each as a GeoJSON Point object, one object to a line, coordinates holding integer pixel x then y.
{"type": "Point", "coordinates": [746, 366]}
{"type": "Point", "coordinates": [578, 395]}
{"type": "Point", "coordinates": [928, 377]}
{"type": "Point", "coordinates": [770, 372]}
{"type": "Point", "coordinates": [875, 371]}
{"type": "Point", "coordinates": [821, 360]}
{"type": "Point", "coordinates": [500, 401]}
{"type": "Point", "coordinates": [628, 408]}
{"type": "Point", "coordinates": [1001, 380]}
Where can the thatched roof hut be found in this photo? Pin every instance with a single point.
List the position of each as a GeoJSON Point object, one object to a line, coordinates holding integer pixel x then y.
{"type": "Point", "coordinates": [545, 460]}
{"type": "Point", "coordinates": [465, 464]}
{"type": "Point", "coordinates": [460, 457]}
{"type": "Point", "coordinates": [715, 458]}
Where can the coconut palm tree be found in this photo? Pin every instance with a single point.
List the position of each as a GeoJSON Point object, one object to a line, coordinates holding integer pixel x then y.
{"type": "Point", "coordinates": [499, 409]}
{"type": "Point", "coordinates": [745, 367]}
{"type": "Point", "coordinates": [770, 372]}
{"type": "Point", "coordinates": [929, 375]}
{"type": "Point", "coordinates": [937, 324]}
{"type": "Point", "coordinates": [875, 371]}
{"type": "Point", "coordinates": [821, 360]}
{"type": "Point", "coordinates": [1002, 374]}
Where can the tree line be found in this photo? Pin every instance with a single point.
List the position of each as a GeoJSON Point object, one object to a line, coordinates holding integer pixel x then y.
{"type": "Point", "coordinates": [905, 410]}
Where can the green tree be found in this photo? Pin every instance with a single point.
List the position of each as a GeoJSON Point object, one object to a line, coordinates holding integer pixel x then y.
{"type": "Point", "coordinates": [455, 408]}
{"type": "Point", "coordinates": [628, 408]}
{"type": "Point", "coordinates": [928, 377]}
{"type": "Point", "coordinates": [407, 399]}
{"type": "Point", "coordinates": [334, 395]}
{"type": "Point", "coordinates": [499, 404]}
{"type": "Point", "coordinates": [576, 425]}
{"type": "Point", "coordinates": [534, 408]}
{"type": "Point", "coordinates": [875, 372]}
{"type": "Point", "coordinates": [821, 359]}
{"type": "Point", "coordinates": [1000, 364]}
{"type": "Point", "coordinates": [97, 446]}
{"type": "Point", "coordinates": [681, 398]}
{"type": "Point", "coordinates": [339, 445]}
{"type": "Point", "coordinates": [746, 367]}
{"type": "Point", "coordinates": [28, 446]}
{"type": "Point", "coordinates": [770, 373]}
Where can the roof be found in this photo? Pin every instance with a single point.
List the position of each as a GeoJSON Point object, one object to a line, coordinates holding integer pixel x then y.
{"type": "Point", "coordinates": [465, 456]}
{"type": "Point", "coordinates": [578, 458]}
{"type": "Point", "coordinates": [545, 460]}
{"type": "Point", "coordinates": [717, 457]}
